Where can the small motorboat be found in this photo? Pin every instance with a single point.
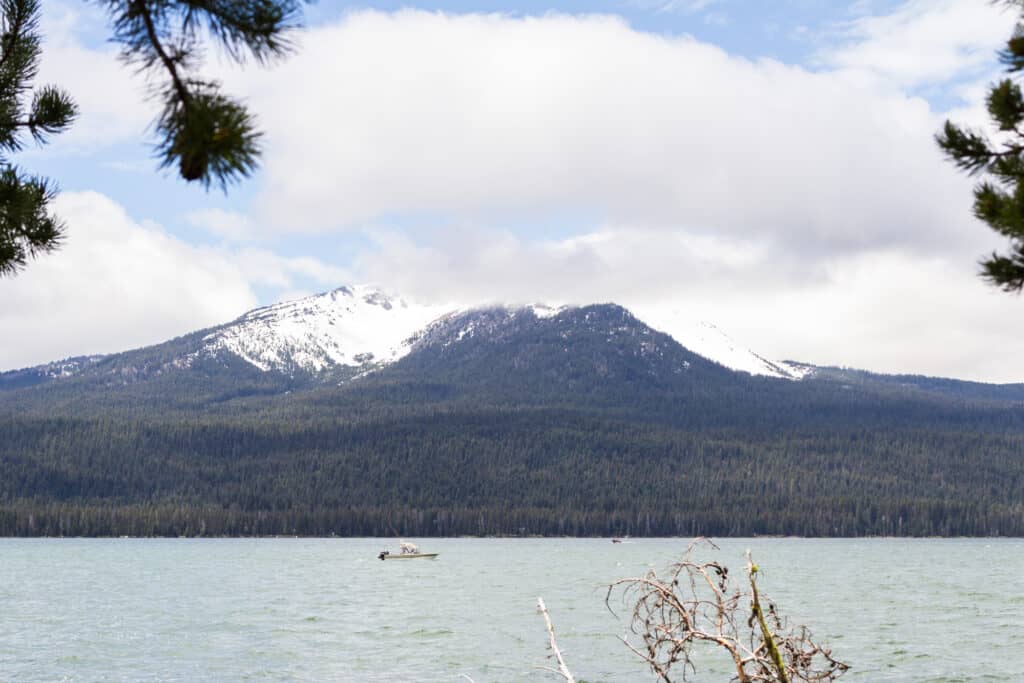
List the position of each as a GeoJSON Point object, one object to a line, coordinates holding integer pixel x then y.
{"type": "Point", "coordinates": [407, 551]}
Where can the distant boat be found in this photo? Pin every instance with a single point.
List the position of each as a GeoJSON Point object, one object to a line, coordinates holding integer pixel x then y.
{"type": "Point", "coordinates": [407, 551]}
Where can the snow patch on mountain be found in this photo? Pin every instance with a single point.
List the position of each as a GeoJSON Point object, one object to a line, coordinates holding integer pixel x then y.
{"type": "Point", "coordinates": [545, 311]}
{"type": "Point", "coordinates": [708, 341]}
{"type": "Point", "coordinates": [60, 369]}
{"type": "Point", "coordinates": [353, 326]}
{"type": "Point", "coordinates": [364, 327]}
{"type": "Point", "coordinates": [796, 370]}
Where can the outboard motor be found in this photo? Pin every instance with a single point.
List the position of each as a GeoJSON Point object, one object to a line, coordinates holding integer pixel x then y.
{"type": "Point", "coordinates": [383, 554]}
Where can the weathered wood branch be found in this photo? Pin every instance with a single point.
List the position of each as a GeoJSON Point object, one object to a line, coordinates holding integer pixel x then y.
{"type": "Point", "coordinates": [698, 605]}
{"type": "Point", "coordinates": [562, 670]}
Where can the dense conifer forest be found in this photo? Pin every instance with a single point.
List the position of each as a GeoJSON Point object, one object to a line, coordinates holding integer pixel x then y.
{"type": "Point", "coordinates": [514, 438]}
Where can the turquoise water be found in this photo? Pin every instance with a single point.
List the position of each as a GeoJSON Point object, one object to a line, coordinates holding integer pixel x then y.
{"type": "Point", "coordinates": [328, 610]}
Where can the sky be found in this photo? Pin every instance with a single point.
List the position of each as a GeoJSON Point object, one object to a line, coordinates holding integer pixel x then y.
{"type": "Point", "coordinates": [767, 167]}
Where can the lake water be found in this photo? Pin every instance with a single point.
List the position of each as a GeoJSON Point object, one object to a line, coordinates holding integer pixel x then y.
{"type": "Point", "coordinates": [328, 610]}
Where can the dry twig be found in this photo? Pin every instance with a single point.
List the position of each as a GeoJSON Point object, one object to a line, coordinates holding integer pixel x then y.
{"type": "Point", "coordinates": [562, 670]}
{"type": "Point", "coordinates": [699, 604]}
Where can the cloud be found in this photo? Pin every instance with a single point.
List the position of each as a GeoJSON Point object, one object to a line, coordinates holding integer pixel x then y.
{"type": "Point", "coordinates": [924, 42]}
{"type": "Point", "coordinates": [490, 117]}
{"type": "Point", "coordinates": [890, 310]}
{"type": "Point", "coordinates": [674, 6]}
{"type": "Point", "coordinates": [118, 283]}
{"type": "Point", "coordinates": [614, 264]}
{"type": "Point", "coordinates": [115, 284]}
{"type": "Point", "coordinates": [716, 19]}
{"type": "Point", "coordinates": [112, 98]}
{"type": "Point", "coordinates": [264, 267]}
{"type": "Point", "coordinates": [231, 226]}
{"type": "Point", "coordinates": [807, 211]}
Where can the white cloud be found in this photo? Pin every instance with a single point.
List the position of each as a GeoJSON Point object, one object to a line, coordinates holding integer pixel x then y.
{"type": "Point", "coordinates": [925, 41]}
{"type": "Point", "coordinates": [115, 284]}
{"type": "Point", "coordinates": [756, 193]}
{"type": "Point", "coordinates": [118, 283]}
{"type": "Point", "coordinates": [674, 6]}
{"type": "Point", "coordinates": [265, 267]}
{"type": "Point", "coordinates": [113, 100]}
{"type": "Point", "coordinates": [231, 226]}
{"type": "Point", "coordinates": [716, 19]}
{"type": "Point", "coordinates": [890, 310]}
{"type": "Point", "coordinates": [808, 213]}
{"type": "Point", "coordinates": [615, 264]}
{"type": "Point", "coordinates": [484, 116]}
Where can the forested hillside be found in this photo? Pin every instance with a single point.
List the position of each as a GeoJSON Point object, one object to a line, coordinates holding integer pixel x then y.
{"type": "Point", "coordinates": [585, 423]}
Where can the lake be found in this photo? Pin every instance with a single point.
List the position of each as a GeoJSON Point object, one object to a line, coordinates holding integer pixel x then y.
{"type": "Point", "coordinates": [328, 610]}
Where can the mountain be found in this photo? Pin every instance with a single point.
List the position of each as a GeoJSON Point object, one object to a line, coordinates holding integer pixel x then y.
{"type": "Point", "coordinates": [356, 412]}
{"type": "Point", "coordinates": [48, 371]}
{"type": "Point", "coordinates": [357, 327]}
{"type": "Point", "coordinates": [344, 333]}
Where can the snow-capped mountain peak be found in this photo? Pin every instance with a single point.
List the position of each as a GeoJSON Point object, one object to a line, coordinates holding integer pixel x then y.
{"type": "Point", "coordinates": [353, 326]}
{"type": "Point", "coordinates": [365, 328]}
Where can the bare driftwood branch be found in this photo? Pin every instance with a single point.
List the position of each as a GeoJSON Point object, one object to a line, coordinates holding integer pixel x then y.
{"type": "Point", "coordinates": [698, 605]}
{"type": "Point", "coordinates": [562, 669]}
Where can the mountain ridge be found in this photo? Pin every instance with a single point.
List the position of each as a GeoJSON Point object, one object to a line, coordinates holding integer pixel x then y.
{"type": "Point", "coordinates": [507, 420]}
{"type": "Point", "coordinates": [365, 327]}
{"type": "Point", "coordinates": [352, 331]}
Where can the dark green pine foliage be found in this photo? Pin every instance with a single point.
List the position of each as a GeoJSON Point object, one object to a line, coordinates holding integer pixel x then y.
{"type": "Point", "coordinates": [27, 228]}
{"type": "Point", "coordinates": [209, 136]}
{"type": "Point", "coordinates": [999, 198]}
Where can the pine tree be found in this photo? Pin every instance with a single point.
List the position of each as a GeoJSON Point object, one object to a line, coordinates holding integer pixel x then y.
{"type": "Point", "coordinates": [999, 198]}
{"type": "Point", "coordinates": [210, 137]}
{"type": "Point", "coordinates": [27, 228]}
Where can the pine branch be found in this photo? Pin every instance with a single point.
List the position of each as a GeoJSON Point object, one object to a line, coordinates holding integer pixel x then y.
{"type": "Point", "coordinates": [257, 27]}
{"type": "Point", "coordinates": [1013, 56]}
{"type": "Point", "coordinates": [27, 229]}
{"type": "Point", "coordinates": [209, 136]}
{"type": "Point", "coordinates": [212, 139]}
{"type": "Point", "coordinates": [969, 151]}
{"type": "Point", "coordinates": [1005, 105]}
{"type": "Point", "coordinates": [141, 9]}
{"type": "Point", "coordinates": [53, 111]}
{"type": "Point", "coordinates": [19, 45]}
{"type": "Point", "coordinates": [1001, 205]}
{"type": "Point", "coordinates": [1006, 272]}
